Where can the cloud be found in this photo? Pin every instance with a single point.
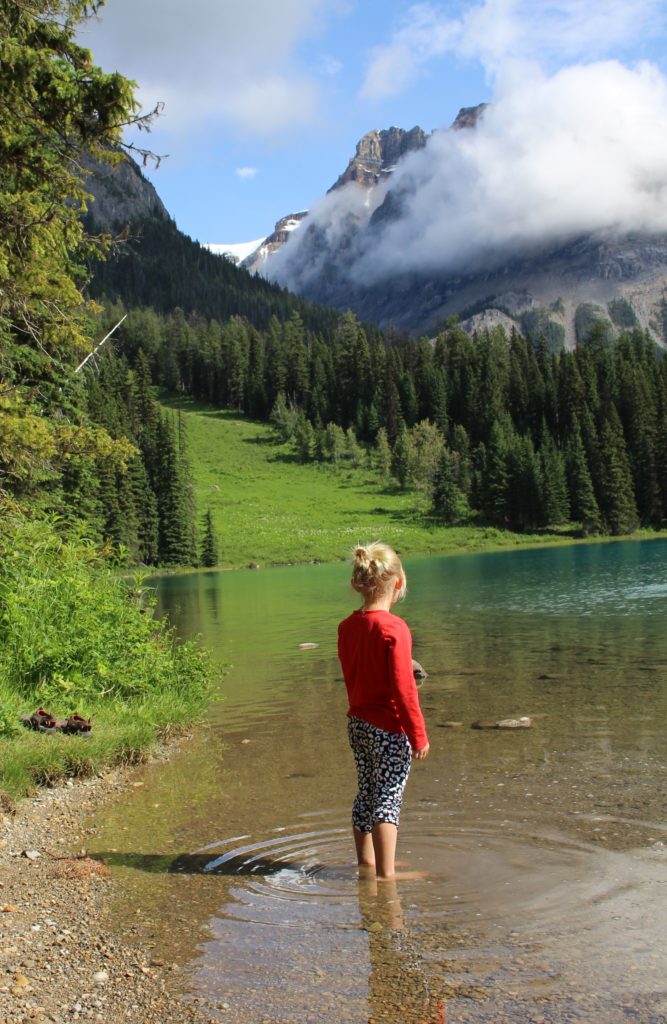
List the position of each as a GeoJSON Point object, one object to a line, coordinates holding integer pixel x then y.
{"type": "Point", "coordinates": [245, 172]}
{"type": "Point", "coordinates": [330, 65]}
{"type": "Point", "coordinates": [582, 151]}
{"type": "Point", "coordinates": [548, 32]}
{"type": "Point", "coordinates": [214, 59]}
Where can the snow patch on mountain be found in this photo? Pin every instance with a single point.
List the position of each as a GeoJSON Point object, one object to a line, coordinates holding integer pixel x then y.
{"type": "Point", "coordinates": [235, 251]}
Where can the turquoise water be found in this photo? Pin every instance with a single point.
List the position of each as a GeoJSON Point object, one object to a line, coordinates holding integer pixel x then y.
{"type": "Point", "coordinates": [545, 849]}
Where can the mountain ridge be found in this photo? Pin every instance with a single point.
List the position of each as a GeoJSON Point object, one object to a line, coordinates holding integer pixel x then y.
{"type": "Point", "coordinates": [558, 288]}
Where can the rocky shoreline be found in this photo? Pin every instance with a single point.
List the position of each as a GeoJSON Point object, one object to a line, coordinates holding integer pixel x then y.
{"type": "Point", "coordinates": [61, 960]}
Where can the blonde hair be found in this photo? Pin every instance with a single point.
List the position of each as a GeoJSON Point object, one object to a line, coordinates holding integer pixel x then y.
{"type": "Point", "coordinates": [374, 569]}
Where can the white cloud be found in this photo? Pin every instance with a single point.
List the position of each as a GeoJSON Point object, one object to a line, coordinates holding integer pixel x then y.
{"type": "Point", "coordinates": [214, 59]}
{"type": "Point", "coordinates": [556, 156]}
{"type": "Point", "coordinates": [425, 33]}
{"type": "Point", "coordinates": [245, 172]}
{"type": "Point", "coordinates": [548, 32]}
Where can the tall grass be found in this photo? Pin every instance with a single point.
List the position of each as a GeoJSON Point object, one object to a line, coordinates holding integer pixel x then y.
{"type": "Point", "coordinates": [74, 636]}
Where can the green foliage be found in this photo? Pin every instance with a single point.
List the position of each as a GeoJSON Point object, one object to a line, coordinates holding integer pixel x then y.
{"type": "Point", "coordinates": [75, 636]}
{"type": "Point", "coordinates": [70, 629]}
{"type": "Point", "coordinates": [525, 423]}
{"type": "Point", "coordinates": [54, 105]}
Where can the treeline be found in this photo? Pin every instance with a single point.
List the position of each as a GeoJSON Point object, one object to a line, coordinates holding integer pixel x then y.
{"type": "Point", "coordinates": [489, 427]}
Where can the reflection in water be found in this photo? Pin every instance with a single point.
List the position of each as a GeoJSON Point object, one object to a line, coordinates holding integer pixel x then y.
{"type": "Point", "coordinates": [544, 847]}
{"type": "Point", "coordinates": [398, 986]}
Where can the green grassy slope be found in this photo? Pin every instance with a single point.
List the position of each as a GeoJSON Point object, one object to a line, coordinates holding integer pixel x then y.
{"type": "Point", "coordinates": [268, 508]}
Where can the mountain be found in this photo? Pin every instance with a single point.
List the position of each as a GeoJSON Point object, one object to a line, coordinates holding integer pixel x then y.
{"type": "Point", "coordinates": [120, 195]}
{"type": "Point", "coordinates": [559, 285]}
{"type": "Point", "coordinates": [256, 259]}
{"type": "Point", "coordinates": [156, 265]}
{"type": "Point", "coordinates": [376, 156]}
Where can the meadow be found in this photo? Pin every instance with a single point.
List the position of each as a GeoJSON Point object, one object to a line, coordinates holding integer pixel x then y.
{"type": "Point", "coordinates": [270, 509]}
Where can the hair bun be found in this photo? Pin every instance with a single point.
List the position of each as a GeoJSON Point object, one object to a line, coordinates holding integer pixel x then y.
{"type": "Point", "coordinates": [361, 552]}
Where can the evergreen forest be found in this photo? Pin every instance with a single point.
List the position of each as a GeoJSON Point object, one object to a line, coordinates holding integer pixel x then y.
{"type": "Point", "coordinates": [486, 429]}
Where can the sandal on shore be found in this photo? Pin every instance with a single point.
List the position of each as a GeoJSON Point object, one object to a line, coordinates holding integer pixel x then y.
{"type": "Point", "coordinates": [77, 725]}
{"type": "Point", "coordinates": [41, 720]}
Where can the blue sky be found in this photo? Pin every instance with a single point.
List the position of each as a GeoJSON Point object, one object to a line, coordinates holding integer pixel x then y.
{"type": "Point", "coordinates": [266, 99]}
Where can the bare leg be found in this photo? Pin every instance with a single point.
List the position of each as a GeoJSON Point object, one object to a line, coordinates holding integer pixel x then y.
{"type": "Point", "coordinates": [363, 842]}
{"type": "Point", "coordinates": [384, 836]}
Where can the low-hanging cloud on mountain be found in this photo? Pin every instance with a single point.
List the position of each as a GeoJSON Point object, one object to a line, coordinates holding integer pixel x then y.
{"type": "Point", "coordinates": [557, 154]}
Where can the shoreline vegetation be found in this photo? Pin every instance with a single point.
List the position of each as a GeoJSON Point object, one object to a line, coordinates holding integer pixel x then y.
{"type": "Point", "coordinates": [76, 637]}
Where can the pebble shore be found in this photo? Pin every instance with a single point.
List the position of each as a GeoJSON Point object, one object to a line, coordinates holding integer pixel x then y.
{"type": "Point", "coordinates": [60, 960]}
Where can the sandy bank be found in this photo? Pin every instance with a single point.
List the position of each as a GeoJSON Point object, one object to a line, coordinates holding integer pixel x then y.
{"type": "Point", "coordinates": [60, 959]}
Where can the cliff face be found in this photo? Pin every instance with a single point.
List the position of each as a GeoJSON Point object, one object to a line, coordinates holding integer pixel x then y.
{"type": "Point", "coordinates": [377, 154]}
{"type": "Point", "coordinates": [121, 195]}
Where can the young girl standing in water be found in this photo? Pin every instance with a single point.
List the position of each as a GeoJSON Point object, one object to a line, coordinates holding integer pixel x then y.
{"type": "Point", "coordinates": [385, 722]}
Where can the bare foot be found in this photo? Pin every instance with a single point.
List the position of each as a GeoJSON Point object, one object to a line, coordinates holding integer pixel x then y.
{"type": "Point", "coordinates": [404, 876]}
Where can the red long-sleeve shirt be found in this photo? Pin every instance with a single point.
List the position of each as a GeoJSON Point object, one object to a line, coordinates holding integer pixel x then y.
{"type": "Point", "coordinates": [375, 651]}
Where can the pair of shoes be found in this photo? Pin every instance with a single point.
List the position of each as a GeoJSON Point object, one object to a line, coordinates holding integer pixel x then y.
{"type": "Point", "coordinates": [43, 721]}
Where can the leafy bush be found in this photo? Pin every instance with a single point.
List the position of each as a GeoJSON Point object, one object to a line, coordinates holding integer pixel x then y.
{"type": "Point", "coordinates": [71, 630]}
{"type": "Point", "coordinates": [74, 635]}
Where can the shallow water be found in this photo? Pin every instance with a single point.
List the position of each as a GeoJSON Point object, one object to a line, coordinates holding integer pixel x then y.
{"type": "Point", "coordinates": [545, 849]}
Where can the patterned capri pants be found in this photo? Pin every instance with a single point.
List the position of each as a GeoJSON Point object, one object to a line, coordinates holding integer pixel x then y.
{"type": "Point", "coordinates": [383, 762]}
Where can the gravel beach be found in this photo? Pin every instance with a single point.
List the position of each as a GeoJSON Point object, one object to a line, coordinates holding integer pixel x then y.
{"type": "Point", "coordinates": [60, 960]}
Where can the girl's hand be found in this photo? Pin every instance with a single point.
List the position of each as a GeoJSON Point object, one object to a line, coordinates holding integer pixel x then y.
{"type": "Point", "coordinates": [420, 755]}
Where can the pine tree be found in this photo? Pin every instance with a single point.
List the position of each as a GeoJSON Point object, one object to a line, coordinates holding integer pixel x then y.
{"type": "Point", "coordinates": [555, 495]}
{"type": "Point", "coordinates": [208, 552]}
{"type": "Point", "coordinates": [304, 438]}
{"type": "Point", "coordinates": [617, 503]}
{"type": "Point", "coordinates": [402, 457]}
{"type": "Point", "coordinates": [449, 500]}
{"type": "Point", "coordinates": [427, 448]}
{"type": "Point", "coordinates": [284, 418]}
{"type": "Point", "coordinates": [583, 505]}
{"type": "Point", "coordinates": [495, 477]}
{"type": "Point", "coordinates": [334, 443]}
{"type": "Point", "coordinates": [382, 454]}
{"type": "Point", "coordinates": [354, 453]}
{"type": "Point", "coordinates": [524, 503]}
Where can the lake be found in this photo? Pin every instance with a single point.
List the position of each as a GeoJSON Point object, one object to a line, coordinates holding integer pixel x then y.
{"type": "Point", "coordinates": [545, 849]}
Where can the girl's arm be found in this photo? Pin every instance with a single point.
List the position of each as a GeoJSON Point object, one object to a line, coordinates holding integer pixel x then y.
{"type": "Point", "coordinates": [403, 688]}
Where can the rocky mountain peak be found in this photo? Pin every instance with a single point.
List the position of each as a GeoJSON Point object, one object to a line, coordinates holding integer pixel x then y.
{"type": "Point", "coordinates": [275, 241]}
{"type": "Point", "coordinates": [468, 117]}
{"type": "Point", "coordinates": [377, 154]}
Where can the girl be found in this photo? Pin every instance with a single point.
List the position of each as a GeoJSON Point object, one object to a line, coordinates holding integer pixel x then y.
{"type": "Point", "coordinates": [385, 723]}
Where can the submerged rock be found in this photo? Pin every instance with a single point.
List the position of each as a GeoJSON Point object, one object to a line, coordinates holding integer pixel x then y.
{"type": "Point", "coordinates": [505, 723]}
